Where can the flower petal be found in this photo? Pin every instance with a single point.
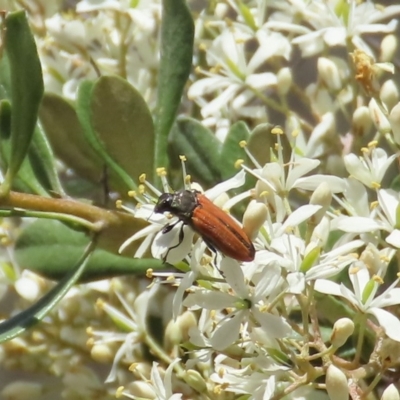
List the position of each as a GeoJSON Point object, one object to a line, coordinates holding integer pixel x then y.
{"type": "Point", "coordinates": [388, 322]}
{"type": "Point", "coordinates": [227, 332]}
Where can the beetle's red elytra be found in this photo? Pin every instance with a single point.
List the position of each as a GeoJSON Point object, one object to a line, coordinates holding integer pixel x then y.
{"type": "Point", "coordinates": [218, 229]}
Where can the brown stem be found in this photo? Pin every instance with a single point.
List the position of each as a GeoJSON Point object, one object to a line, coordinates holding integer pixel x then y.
{"type": "Point", "coordinates": [115, 226]}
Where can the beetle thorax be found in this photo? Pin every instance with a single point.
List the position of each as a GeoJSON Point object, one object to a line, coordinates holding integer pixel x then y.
{"type": "Point", "coordinates": [183, 204]}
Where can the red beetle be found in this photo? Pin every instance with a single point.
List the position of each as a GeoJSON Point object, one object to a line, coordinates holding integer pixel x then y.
{"type": "Point", "coordinates": [218, 229]}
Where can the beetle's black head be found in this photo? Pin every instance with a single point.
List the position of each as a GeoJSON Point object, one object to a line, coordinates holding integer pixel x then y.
{"type": "Point", "coordinates": [180, 204]}
{"type": "Point", "coordinates": [164, 203]}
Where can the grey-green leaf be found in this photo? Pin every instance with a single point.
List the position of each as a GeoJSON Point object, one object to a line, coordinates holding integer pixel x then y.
{"type": "Point", "coordinates": [231, 150]}
{"type": "Point", "coordinates": [26, 87]}
{"type": "Point", "coordinates": [123, 124]}
{"type": "Point", "coordinates": [177, 33]}
{"type": "Point", "coordinates": [201, 148]}
{"type": "Point", "coordinates": [26, 179]}
{"type": "Point", "coordinates": [64, 131]}
{"type": "Point", "coordinates": [84, 112]}
{"type": "Point", "coordinates": [50, 248]}
{"type": "Point", "coordinates": [42, 159]}
{"type": "Point", "coordinates": [262, 142]}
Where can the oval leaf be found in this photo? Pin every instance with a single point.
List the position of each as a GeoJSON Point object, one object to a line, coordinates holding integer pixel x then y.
{"type": "Point", "coordinates": [231, 150]}
{"type": "Point", "coordinates": [26, 87]}
{"type": "Point", "coordinates": [26, 179]}
{"type": "Point", "coordinates": [41, 158]}
{"type": "Point", "coordinates": [202, 149]}
{"type": "Point", "coordinates": [50, 248]}
{"type": "Point", "coordinates": [85, 95]}
{"type": "Point", "coordinates": [262, 142]}
{"type": "Point", "coordinates": [123, 124]}
{"type": "Point", "coordinates": [177, 33]}
{"type": "Point", "coordinates": [64, 131]}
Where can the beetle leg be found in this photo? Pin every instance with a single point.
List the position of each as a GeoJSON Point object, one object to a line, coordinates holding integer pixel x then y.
{"type": "Point", "coordinates": [168, 227]}
{"type": "Point", "coordinates": [210, 245]}
{"type": "Point", "coordinates": [180, 238]}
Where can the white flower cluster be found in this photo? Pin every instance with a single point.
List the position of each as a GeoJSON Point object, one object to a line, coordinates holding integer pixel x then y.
{"type": "Point", "coordinates": [249, 309]}
{"type": "Point", "coordinates": [101, 37]}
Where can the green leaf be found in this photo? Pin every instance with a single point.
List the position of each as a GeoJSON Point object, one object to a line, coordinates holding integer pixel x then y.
{"type": "Point", "coordinates": [50, 248]}
{"type": "Point", "coordinates": [177, 33]}
{"type": "Point", "coordinates": [43, 162]}
{"type": "Point", "coordinates": [64, 131]}
{"type": "Point", "coordinates": [202, 149]}
{"type": "Point", "coordinates": [5, 77]}
{"type": "Point", "coordinates": [25, 319]}
{"type": "Point", "coordinates": [231, 150]}
{"type": "Point", "coordinates": [26, 179]}
{"type": "Point", "coordinates": [123, 124]}
{"type": "Point", "coordinates": [84, 112]}
{"type": "Point", "coordinates": [5, 121]}
{"type": "Point", "coordinates": [262, 142]}
{"type": "Point", "coordinates": [26, 87]}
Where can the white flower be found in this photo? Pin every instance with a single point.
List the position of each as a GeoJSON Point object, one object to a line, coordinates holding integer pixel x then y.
{"type": "Point", "coordinates": [276, 179]}
{"type": "Point", "coordinates": [259, 385]}
{"type": "Point", "coordinates": [70, 44]}
{"type": "Point", "coordinates": [333, 23]}
{"type": "Point", "coordinates": [134, 323]}
{"type": "Point", "coordinates": [371, 168]}
{"type": "Point", "coordinates": [382, 217]}
{"type": "Point", "coordinates": [234, 81]}
{"type": "Point", "coordinates": [363, 297]}
{"type": "Point", "coordinates": [163, 387]}
{"type": "Point", "coordinates": [249, 303]}
{"type": "Point", "coordinates": [305, 263]}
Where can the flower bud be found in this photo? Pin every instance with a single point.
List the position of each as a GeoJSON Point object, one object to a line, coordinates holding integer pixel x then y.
{"type": "Point", "coordinates": [140, 370]}
{"type": "Point", "coordinates": [389, 94]}
{"type": "Point", "coordinates": [336, 384]}
{"type": "Point", "coordinates": [394, 119]}
{"type": "Point", "coordinates": [390, 393]}
{"type": "Point", "coordinates": [75, 336]}
{"type": "Point", "coordinates": [22, 390]}
{"type": "Point", "coordinates": [322, 196]}
{"type": "Point", "coordinates": [195, 380]}
{"type": "Point", "coordinates": [221, 10]}
{"type": "Point", "coordinates": [342, 330]}
{"type": "Point", "coordinates": [285, 80]}
{"type": "Point", "coordinates": [141, 390]}
{"type": "Point", "coordinates": [388, 48]}
{"type": "Point", "coordinates": [28, 287]}
{"type": "Point", "coordinates": [329, 73]}
{"type": "Point", "coordinates": [378, 118]}
{"type": "Point", "coordinates": [362, 121]}
{"type": "Point", "coordinates": [320, 98]}
{"type": "Point", "coordinates": [254, 217]}
{"type": "Point", "coordinates": [372, 258]}
{"type": "Point", "coordinates": [102, 353]}
{"type": "Point", "coordinates": [177, 331]}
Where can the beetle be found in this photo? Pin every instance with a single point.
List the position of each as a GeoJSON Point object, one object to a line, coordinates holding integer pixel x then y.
{"type": "Point", "coordinates": [218, 230]}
